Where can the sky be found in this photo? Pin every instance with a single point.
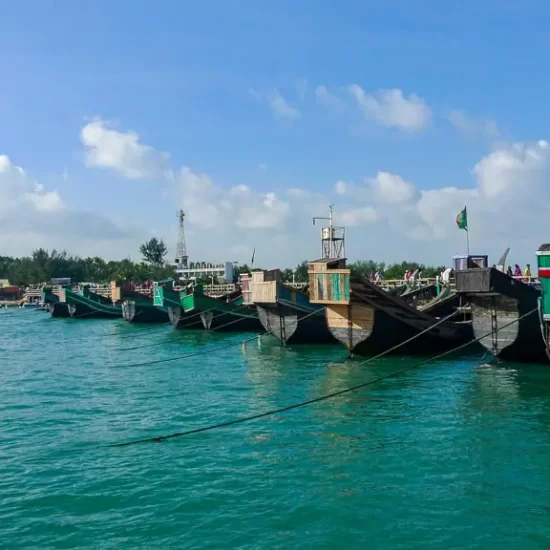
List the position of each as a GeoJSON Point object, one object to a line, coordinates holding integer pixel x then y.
{"type": "Point", "coordinates": [253, 117]}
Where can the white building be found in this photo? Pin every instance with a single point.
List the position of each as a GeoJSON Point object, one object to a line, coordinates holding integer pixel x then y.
{"type": "Point", "coordinates": [203, 270]}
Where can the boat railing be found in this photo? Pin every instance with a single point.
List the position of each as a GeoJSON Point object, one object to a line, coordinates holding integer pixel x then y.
{"type": "Point", "coordinates": [412, 283]}
{"type": "Point", "coordinates": [212, 290]}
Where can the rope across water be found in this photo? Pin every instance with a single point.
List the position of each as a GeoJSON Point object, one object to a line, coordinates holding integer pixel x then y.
{"type": "Point", "coordinates": [329, 395]}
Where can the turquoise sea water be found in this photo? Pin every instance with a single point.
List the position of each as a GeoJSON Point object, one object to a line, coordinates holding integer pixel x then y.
{"type": "Point", "coordinates": [455, 454]}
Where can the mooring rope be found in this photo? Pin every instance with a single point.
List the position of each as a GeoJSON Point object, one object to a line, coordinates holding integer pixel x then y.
{"type": "Point", "coordinates": [326, 396]}
{"type": "Point", "coordinates": [207, 311]}
{"type": "Point", "coordinates": [203, 352]}
{"type": "Point", "coordinates": [177, 338]}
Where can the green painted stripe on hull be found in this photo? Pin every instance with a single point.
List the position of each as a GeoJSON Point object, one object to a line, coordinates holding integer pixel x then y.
{"type": "Point", "coordinates": [91, 305]}
{"type": "Point", "coordinates": [200, 302]}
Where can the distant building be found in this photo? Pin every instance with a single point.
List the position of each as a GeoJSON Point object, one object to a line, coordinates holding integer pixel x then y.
{"type": "Point", "coordinates": [203, 270]}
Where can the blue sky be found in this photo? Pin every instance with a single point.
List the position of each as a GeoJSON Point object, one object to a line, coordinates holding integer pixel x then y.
{"type": "Point", "coordinates": [265, 96]}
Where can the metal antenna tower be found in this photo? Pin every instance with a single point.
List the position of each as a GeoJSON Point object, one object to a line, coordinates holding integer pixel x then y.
{"type": "Point", "coordinates": [181, 248]}
{"type": "Point", "coordinates": [333, 239]}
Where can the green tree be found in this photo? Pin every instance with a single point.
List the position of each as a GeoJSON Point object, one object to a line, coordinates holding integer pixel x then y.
{"type": "Point", "coordinates": [287, 275]}
{"type": "Point", "coordinates": [5, 264]}
{"type": "Point", "coordinates": [363, 269]}
{"type": "Point", "coordinates": [300, 273]}
{"type": "Point", "coordinates": [123, 271]}
{"type": "Point", "coordinates": [153, 251]}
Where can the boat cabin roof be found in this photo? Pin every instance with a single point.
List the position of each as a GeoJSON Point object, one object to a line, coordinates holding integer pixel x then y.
{"type": "Point", "coordinates": [544, 250]}
{"type": "Point", "coordinates": [329, 263]}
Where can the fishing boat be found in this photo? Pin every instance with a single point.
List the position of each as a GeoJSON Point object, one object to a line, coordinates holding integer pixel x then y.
{"type": "Point", "coordinates": [87, 304]}
{"type": "Point", "coordinates": [137, 307]}
{"type": "Point", "coordinates": [165, 296]}
{"type": "Point", "coordinates": [284, 311]}
{"type": "Point", "coordinates": [503, 313]}
{"type": "Point", "coordinates": [287, 311]}
{"type": "Point", "coordinates": [143, 311]}
{"type": "Point", "coordinates": [226, 313]}
{"type": "Point", "coordinates": [369, 321]}
{"type": "Point", "coordinates": [47, 296]}
{"type": "Point", "coordinates": [58, 309]}
{"type": "Point", "coordinates": [420, 294]}
{"type": "Point", "coordinates": [543, 260]}
{"type": "Point", "coordinates": [52, 304]}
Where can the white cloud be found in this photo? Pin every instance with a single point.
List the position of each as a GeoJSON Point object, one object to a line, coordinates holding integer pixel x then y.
{"type": "Point", "coordinates": [49, 201]}
{"type": "Point", "coordinates": [298, 193]}
{"type": "Point", "coordinates": [470, 126]}
{"type": "Point", "coordinates": [508, 203]}
{"type": "Point", "coordinates": [341, 187]}
{"type": "Point", "coordinates": [261, 211]}
{"type": "Point", "coordinates": [239, 189]}
{"type": "Point", "coordinates": [392, 109]}
{"type": "Point", "coordinates": [356, 216]}
{"type": "Point", "coordinates": [513, 169]}
{"type": "Point", "coordinates": [19, 192]}
{"type": "Point", "coordinates": [209, 205]}
{"type": "Point", "coordinates": [277, 103]}
{"type": "Point", "coordinates": [328, 100]}
{"type": "Point", "coordinates": [392, 188]}
{"type": "Point", "coordinates": [121, 151]}
{"type": "Point", "coordinates": [31, 216]}
{"type": "Point", "coordinates": [200, 199]}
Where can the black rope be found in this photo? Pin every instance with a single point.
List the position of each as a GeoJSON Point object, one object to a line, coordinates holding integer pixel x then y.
{"type": "Point", "coordinates": [210, 350]}
{"type": "Point", "coordinates": [167, 360]}
{"type": "Point", "coordinates": [179, 327]}
{"type": "Point", "coordinates": [322, 397]}
{"type": "Point", "coordinates": [178, 338]}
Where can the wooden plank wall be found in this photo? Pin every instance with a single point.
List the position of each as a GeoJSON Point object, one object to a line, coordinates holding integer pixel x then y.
{"type": "Point", "coordinates": [362, 316]}
{"type": "Point", "coordinates": [322, 287]}
{"type": "Point", "coordinates": [264, 293]}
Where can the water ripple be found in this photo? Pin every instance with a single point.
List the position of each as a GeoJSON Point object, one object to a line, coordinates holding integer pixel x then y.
{"type": "Point", "coordinates": [453, 455]}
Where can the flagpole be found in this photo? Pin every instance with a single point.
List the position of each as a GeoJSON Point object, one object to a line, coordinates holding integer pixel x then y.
{"type": "Point", "coordinates": [467, 234]}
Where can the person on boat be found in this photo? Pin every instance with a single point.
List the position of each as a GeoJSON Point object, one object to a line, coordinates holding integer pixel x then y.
{"type": "Point", "coordinates": [446, 275]}
{"type": "Point", "coordinates": [377, 276]}
{"type": "Point", "coordinates": [517, 271]}
{"type": "Point", "coordinates": [527, 272]}
{"type": "Point", "coordinates": [509, 271]}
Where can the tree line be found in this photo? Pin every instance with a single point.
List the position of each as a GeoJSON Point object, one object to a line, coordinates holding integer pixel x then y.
{"type": "Point", "coordinates": [42, 266]}
{"type": "Point", "coordinates": [360, 269]}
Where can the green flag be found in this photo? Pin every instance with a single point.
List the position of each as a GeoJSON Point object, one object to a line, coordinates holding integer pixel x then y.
{"type": "Point", "coordinates": [462, 220]}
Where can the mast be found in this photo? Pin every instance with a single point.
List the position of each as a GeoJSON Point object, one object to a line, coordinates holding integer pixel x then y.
{"type": "Point", "coordinates": [181, 248]}
{"type": "Point", "coordinates": [333, 238]}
